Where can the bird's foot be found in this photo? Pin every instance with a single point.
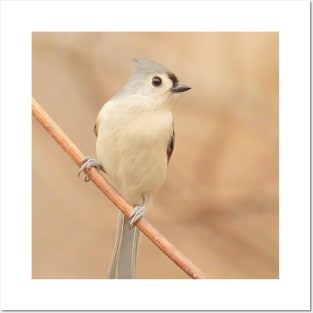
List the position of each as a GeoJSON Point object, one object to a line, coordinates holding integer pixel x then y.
{"type": "Point", "coordinates": [136, 215]}
{"type": "Point", "coordinates": [88, 162]}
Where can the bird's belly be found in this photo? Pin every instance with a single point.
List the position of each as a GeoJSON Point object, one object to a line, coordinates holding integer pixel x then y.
{"type": "Point", "coordinates": [136, 166]}
{"type": "Point", "coordinates": [144, 172]}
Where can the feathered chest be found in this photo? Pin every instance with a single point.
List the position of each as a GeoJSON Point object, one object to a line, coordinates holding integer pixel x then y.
{"type": "Point", "coordinates": [147, 126]}
{"type": "Point", "coordinates": [128, 132]}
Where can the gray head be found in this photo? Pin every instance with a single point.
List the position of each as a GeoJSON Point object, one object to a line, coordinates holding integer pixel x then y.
{"type": "Point", "coordinates": [152, 80]}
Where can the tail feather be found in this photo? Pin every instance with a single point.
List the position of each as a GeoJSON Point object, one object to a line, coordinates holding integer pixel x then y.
{"type": "Point", "coordinates": [124, 259]}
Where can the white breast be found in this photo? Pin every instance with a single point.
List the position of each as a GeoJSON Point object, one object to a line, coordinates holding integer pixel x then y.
{"type": "Point", "coordinates": [132, 148]}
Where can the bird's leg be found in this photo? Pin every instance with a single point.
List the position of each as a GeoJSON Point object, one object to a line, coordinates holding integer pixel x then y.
{"type": "Point", "coordinates": [89, 162]}
{"type": "Point", "coordinates": [137, 213]}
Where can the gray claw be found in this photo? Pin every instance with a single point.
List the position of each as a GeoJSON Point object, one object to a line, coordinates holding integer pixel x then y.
{"type": "Point", "coordinates": [136, 215]}
{"type": "Point", "coordinates": [88, 162]}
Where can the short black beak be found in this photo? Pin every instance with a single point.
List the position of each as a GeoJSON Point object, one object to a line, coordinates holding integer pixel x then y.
{"type": "Point", "coordinates": [180, 87]}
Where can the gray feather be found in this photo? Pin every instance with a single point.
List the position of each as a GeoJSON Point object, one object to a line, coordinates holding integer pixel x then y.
{"type": "Point", "coordinates": [145, 66]}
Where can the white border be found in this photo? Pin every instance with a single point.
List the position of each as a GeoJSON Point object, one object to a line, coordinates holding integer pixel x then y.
{"type": "Point", "coordinates": [19, 19]}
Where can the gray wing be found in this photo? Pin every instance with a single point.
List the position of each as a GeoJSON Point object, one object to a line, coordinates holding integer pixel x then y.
{"type": "Point", "coordinates": [170, 146]}
{"type": "Point", "coordinates": [95, 129]}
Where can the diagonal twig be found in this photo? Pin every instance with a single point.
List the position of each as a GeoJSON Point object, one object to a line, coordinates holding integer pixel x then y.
{"type": "Point", "coordinates": [155, 236]}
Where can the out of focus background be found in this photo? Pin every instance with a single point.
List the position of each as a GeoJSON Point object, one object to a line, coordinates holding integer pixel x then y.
{"type": "Point", "coordinates": [220, 202]}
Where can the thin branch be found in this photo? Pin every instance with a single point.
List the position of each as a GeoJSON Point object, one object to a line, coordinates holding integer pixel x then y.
{"type": "Point", "coordinates": [155, 236]}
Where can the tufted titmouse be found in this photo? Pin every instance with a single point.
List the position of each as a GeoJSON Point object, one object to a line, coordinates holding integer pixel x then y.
{"type": "Point", "coordinates": [135, 140]}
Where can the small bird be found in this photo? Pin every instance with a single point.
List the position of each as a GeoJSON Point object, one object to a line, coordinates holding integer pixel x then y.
{"type": "Point", "coordinates": [135, 141]}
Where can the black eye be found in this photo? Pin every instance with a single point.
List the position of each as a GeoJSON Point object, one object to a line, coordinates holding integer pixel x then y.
{"type": "Point", "coordinates": [156, 81]}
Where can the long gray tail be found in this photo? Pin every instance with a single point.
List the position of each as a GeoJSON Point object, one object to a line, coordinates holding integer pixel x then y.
{"type": "Point", "coordinates": [124, 258]}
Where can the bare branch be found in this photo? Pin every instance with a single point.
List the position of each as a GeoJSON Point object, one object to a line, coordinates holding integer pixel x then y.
{"type": "Point", "coordinates": [155, 236]}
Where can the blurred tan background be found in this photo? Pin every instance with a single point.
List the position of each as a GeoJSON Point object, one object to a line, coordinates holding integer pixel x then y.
{"type": "Point", "coordinates": [219, 204]}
